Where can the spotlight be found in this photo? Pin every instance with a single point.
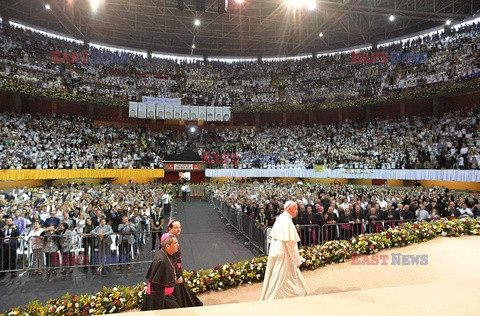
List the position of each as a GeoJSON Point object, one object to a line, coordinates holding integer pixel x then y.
{"type": "Point", "coordinates": [47, 6]}
{"type": "Point", "coordinates": [239, 1]}
{"type": "Point", "coordinates": [94, 5]}
{"type": "Point", "coordinates": [192, 129]}
{"type": "Point", "coordinates": [391, 18]}
{"type": "Point", "coordinates": [193, 46]}
{"type": "Point", "coordinates": [448, 22]}
{"type": "Point", "coordinates": [311, 5]}
{"type": "Point", "coordinates": [321, 34]}
{"type": "Point", "coordinates": [197, 22]}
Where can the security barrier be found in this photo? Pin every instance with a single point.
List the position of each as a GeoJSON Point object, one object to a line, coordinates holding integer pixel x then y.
{"type": "Point", "coordinates": [248, 227]}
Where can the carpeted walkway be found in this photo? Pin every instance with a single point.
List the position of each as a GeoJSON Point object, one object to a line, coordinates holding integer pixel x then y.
{"type": "Point", "coordinates": [447, 285]}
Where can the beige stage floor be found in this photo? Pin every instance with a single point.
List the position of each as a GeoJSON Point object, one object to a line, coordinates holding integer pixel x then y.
{"type": "Point", "coordinates": [448, 285]}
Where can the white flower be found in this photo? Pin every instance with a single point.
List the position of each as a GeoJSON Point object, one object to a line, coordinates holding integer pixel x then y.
{"type": "Point", "coordinates": [444, 233]}
{"type": "Point", "coordinates": [77, 305]}
{"type": "Point", "coordinates": [90, 311]}
{"type": "Point", "coordinates": [105, 299]}
{"type": "Point", "coordinates": [113, 308]}
{"type": "Point", "coordinates": [115, 289]}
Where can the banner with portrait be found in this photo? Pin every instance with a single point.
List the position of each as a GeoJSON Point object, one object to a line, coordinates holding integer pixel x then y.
{"type": "Point", "coordinates": [160, 111]}
{"type": "Point", "coordinates": [185, 112]}
{"type": "Point", "coordinates": [177, 112]}
{"type": "Point", "coordinates": [142, 110]}
{"type": "Point", "coordinates": [218, 113]}
{"type": "Point", "coordinates": [226, 113]}
{"type": "Point", "coordinates": [210, 113]}
{"type": "Point", "coordinates": [132, 109]}
{"type": "Point", "coordinates": [151, 111]}
{"type": "Point", "coordinates": [202, 113]}
{"type": "Point", "coordinates": [168, 111]}
{"type": "Point", "coordinates": [193, 112]}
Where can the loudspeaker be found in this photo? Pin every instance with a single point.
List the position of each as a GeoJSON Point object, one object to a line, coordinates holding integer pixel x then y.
{"type": "Point", "coordinates": [222, 6]}
{"type": "Point", "coordinates": [200, 5]}
{"type": "Point", "coordinates": [180, 5]}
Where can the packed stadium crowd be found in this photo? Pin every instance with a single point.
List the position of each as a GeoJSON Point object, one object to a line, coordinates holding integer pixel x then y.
{"type": "Point", "coordinates": [26, 58]}
{"type": "Point", "coordinates": [451, 141]}
{"type": "Point", "coordinates": [321, 204]}
{"type": "Point", "coordinates": [71, 218]}
{"type": "Point", "coordinates": [67, 218]}
{"type": "Point", "coordinates": [30, 141]}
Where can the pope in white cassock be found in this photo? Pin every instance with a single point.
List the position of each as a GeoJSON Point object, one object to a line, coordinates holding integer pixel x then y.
{"type": "Point", "coordinates": [283, 277]}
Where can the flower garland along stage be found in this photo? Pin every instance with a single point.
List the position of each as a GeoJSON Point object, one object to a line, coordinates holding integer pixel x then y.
{"type": "Point", "coordinates": [418, 93]}
{"type": "Point", "coordinates": [231, 275]}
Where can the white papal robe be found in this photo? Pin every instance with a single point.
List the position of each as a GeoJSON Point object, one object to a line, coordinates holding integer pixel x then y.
{"type": "Point", "coordinates": [282, 277]}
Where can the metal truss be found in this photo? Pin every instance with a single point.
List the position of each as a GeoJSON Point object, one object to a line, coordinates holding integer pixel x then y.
{"type": "Point", "coordinates": [255, 28]}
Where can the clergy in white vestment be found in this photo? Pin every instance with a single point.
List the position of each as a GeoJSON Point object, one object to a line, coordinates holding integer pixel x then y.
{"type": "Point", "coordinates": [283, 277]}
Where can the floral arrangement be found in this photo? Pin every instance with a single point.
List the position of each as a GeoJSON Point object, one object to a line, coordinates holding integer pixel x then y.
{"type": "Point", "coordinates": [231, 275]}
{"type": "Point", "coordinates": [10, 86]}
{"type": "Point", "coordinates": [107, 301]}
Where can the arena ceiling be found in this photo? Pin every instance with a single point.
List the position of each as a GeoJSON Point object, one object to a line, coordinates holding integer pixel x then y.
{"type": "Point", "coordinates": [254, 28]}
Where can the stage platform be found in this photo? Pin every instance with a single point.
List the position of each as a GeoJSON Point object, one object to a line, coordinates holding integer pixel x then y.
{"type": "Point", "coordinates": [449, 284]}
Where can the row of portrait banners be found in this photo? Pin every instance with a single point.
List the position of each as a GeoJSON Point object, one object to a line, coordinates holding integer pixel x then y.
{"type": "Point", "coordinates": [172, 109]}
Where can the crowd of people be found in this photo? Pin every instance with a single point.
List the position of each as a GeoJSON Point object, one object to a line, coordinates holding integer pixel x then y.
{"type": "Point", "coordinates": [362, 207]}
{"type": "Point", "coordinates": [74, 225]}
{"type": "Point", "coordinates": [450, 141]}
{"type": "Point", "coordinates": [30, 141]}
{"type": "Point", "coordinates": [26, 58]}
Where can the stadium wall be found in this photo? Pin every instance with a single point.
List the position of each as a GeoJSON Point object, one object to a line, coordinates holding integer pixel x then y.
{"type": "Point", "coordinates": [14, 102]}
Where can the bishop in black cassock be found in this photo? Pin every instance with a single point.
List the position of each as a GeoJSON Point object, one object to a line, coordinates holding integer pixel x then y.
{"type": "Point", "coordinates": [162, 278]}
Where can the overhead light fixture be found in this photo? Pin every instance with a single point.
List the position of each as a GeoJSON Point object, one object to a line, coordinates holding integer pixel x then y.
{"type": "Point", "coordinates": [94, 5]}
{"type": "Point", "coordinates": [193, 46]}
{"type": "Point", "coordinates": [239, 1]}
{"type": "Point", "coordinates": [311, 5]}
{"type": "Point", "coordinates": [448, 22]}
{"type": "Point", "coordinates": [47, 6]}
{"type": "Point", "coordinates": [197, 22]}
{"type": "Point", "coordinates": [321, 34]}
{"type": "Point", "coordinates": [391, 18]}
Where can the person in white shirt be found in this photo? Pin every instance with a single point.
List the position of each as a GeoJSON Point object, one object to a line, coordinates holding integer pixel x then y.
{"type": "Point", "coordinates": [464, 210]}
{"type": "Point", "coordinates": [184, 192]}
{"type": "Point", "coordinates": [166, 202]}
